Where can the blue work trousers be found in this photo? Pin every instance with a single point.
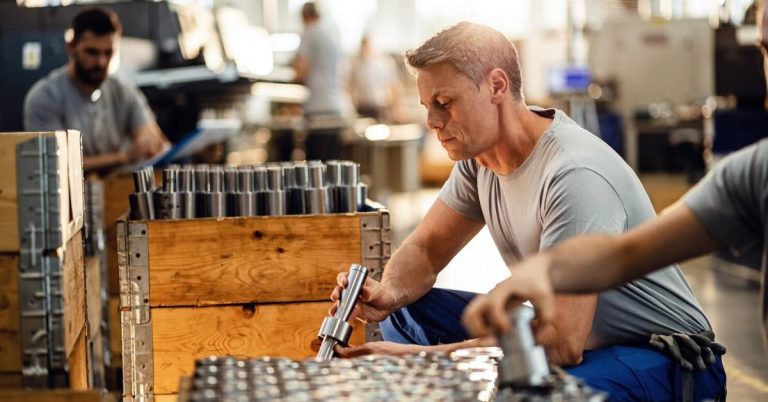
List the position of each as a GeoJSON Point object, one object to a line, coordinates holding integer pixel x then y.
{"type": "Point", "coordinates": [626, 373]}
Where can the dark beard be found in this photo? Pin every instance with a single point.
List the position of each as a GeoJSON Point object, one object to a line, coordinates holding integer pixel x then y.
{"type": "Point", "coordinates": [90, 77]}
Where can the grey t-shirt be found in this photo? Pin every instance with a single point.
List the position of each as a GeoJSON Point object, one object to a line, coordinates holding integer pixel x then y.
{"type": "Point", "coordinates": [572, 184]}
{"type": "Point", "coordinates": [106, 124]}
{"type": "Point", "coordinates": [323, 55]}
{"type": "Point", "coordinates": [732, 204]}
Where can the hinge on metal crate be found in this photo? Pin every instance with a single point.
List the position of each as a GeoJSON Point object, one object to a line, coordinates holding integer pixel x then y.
{"type": "Point", "coordinates": [136, 320]}
{"type": "Point", "coordinates": [375, 251]}
{"type": "Point", "coordinates": [43, 356]}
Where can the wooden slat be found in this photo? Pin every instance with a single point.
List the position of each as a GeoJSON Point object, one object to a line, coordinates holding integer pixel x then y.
{"type": "Point", "coordinates": [75, 172]}
{"type": "Point", "coordinates": [79, 365]}
{"type": "Point", "coordinates": [61, 395]}
{"type": "Point", "coordinates": [115, 332]}
{"type": "Point", "coordinates": [10, 348]}
{"type": "Point", "coordinates": [73, 290]}
{"type": "Point", "coordinates": [10, 381]}
{"type": "Point", "coordinates": [116, 190]}
{"type": "Point", "coordinates": [182, 334]}
{"type": "Point", "coordinates": [241, 260]}
{"type": "Point", "coordinates": [93, 294]}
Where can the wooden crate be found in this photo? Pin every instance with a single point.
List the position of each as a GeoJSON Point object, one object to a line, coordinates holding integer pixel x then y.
{"type": "Point", "coordinates": [70, 176]}
{"type": "Point", "coordinates": [56, 396]}
{"type": "Point", "coordinates": [242, 287]}
{"type": "Point", "coordinates": [76, 326]}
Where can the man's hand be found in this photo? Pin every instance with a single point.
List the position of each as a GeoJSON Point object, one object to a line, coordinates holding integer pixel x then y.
{"type": "Point", "coordinates": [148, 141]}
{"type": "Point", "coordinates": [378, 348]}
{"type": "Point", "coordinates": [375, 304]}
{"type": "Point", "coordinates": [528, 281]}
{"type": "Point", "coordinates": [690, 351]}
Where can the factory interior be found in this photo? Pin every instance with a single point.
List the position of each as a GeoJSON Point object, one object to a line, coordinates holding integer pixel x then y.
{"type": "Point", "coordinates": [383, 200]}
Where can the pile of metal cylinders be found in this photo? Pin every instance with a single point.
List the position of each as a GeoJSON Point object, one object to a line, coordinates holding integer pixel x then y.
{"type": "Point", "coordinates": [273, 189]}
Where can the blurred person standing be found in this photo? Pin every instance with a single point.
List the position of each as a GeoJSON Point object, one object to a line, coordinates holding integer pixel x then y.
{"type": "Point", "coordinates": [318, 66]}
{"type": "Point", "coordinates": [116, 124]}
{"type": "Point", "coordinates": [374, 85]}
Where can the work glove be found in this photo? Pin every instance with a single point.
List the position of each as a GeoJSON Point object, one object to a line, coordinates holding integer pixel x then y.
{"type": "Point", "coordinates": [690, 351]}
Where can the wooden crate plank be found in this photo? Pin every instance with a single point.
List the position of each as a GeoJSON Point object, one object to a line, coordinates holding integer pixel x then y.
{"type": "Point", "coordinates": [73, 290]}
{"type": "Point", "coordinates": [79, 365]}
{"type": "Point", "coordinates": [115, 332]}
{"type": "Point", "coordinates": [59, 395]}
{"type": "Point", "coordinates": [116, 190]}
{"type": "Point", "coordinates": [207, 261]}
{"type": "Point", "coordinates": [167, 398]}
{"type": "Point", "coordinates": [75, 172]}
{"type": "Point", "coordinates": [181, 334]}
{"type": "Point", "coordinates": [93, 294]}
{"type": "Point", "coordinates": [10, 381]}
{"type": "Point", "coordinates": [10, 348]}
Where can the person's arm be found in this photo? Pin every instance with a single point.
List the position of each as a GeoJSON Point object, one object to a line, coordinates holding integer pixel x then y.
{"type": "Point", "coordinates": [413, 268]}
{"type": "Point", "coordinates": [148, 140]}
{"type": "Point", "coordinates": [591, 264]}
{"type": "Point", "coordinates": [301, 69]}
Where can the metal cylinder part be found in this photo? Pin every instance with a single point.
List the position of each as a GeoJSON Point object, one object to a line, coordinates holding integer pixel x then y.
{"type": "Point", "coordinates": [246, 204]}
{"type": "Point", "coordinates": [230, 180]}
{"type": "Point", "coordinates": [216, 180]}
{"type": "Point", "coordinates": [245, 180]}
{"type": "Point", "coordinates": [214, 205]}
{"type": "Point", "coordinates": [186, 180]}
{"type": "Point", "coordinates": [188, 205]}
{"type": "Point", "coordinates": [335, 329]}
{"type": "Point", "coordinates": [301, 175]}
{"type": "Point", "coordinates": [274, 202]}
{"type": "Point", "coordinates": [141, 208]}
{"type": "Point", "coordinates": [332, 173]}
{"type": "Point", "coordinates": [171, 180]}
{"type": "Point", "coordinates": [318, 200]}
{"type": "Point", "coordinates": [350, 173]}
{"type": "Point", "coordinates": [297, 201]}
{"type": "Point", "coordinates": [524, 363]}
{"type": "Point", "coordinates": [260, 178]}
{"type": "Point", "coordinates": [346, 199]}
{"type": "Point", "coordinates": [168, 205]}
{"type": "Point", "coordinates": [201, 179]}
{"type": "Point", "coordinates": [274, 178]}
{"type": "Point", "coordinates": [362, 195]}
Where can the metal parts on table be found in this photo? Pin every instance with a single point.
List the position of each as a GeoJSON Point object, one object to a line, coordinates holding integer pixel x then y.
{"type": "Point", "coordinates": [523, 372]}
{"type": "Point", "coordinates": [423, 377]}
{"type": "Point", "coordinates": [335, 330]}
{"type": "Point", "coordinates": [287, 188]}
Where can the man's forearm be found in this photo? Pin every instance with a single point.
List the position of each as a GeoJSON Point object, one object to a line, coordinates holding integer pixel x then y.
{"type": "Point", "coordinates": [596, 263]}
{"type": "Point", "coordinates": [409, 274]}
{"type": "Point", "coordinates": [94, 162]}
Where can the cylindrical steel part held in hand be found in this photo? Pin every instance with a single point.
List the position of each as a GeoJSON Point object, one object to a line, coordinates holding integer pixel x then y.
{"type": "Point", "coordinates": [355, 281]}
{"type": "Point", "coordinates": [524, 363]}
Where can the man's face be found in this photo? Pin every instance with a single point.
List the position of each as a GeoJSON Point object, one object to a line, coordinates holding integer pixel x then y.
{"type": "Point", "coordinates": [462, 116]}
{"type": "Point", "coordinates": [91, 55]}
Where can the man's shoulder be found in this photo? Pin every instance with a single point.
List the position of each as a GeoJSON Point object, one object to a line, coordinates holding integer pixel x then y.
{"type": "Point", "coordinates": [49, 88]}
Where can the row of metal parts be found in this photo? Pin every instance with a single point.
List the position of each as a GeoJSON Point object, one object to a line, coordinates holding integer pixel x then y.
{"type": "Point", "coordinates": [213, 191]}
{"type": "Point", "coordinates": [464, 375]}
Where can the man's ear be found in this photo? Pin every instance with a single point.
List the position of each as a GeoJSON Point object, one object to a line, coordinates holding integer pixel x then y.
{"type": "Point", "coordinates": [499, 83]}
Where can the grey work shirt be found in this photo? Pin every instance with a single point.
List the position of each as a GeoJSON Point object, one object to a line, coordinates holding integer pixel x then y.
{"type": "Point", "coordinates": [732, 204]}
{"type": "Point", "coordinates": [106, 124]}
{"type": "Point", "coordinates": [572, 184]}
{"type": "Point", "coordinates": [323, 55]}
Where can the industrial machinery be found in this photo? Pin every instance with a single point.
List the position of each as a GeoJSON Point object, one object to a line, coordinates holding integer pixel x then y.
{"type": "Point", "coordinates": [335, 330]}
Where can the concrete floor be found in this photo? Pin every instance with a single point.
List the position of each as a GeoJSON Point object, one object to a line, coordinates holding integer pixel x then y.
{"type": "Point", "coordinates": [728, 294]}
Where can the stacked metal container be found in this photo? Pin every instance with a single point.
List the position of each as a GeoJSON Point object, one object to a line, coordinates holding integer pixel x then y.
{"type": "Point", "coordinates": [210, 191]}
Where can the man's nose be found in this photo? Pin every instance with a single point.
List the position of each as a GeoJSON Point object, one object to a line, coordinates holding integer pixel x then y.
{"type": "Point", "coordinates": [435, 119]}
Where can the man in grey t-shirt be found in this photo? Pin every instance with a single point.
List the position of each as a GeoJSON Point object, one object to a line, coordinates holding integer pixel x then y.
{"type": "Point", "coordinates": [535, 179]}
{"type": "Point", "coordinates": [113, 118]}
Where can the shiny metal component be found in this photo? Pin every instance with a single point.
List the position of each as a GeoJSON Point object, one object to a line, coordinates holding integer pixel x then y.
{"type": "Point", "coordinates": [524, 363]}
{"type": "Point", "coordinates": [188, 197]}
{"type": "Point", "coordinates": [215, 200]}
{"type": "Point", "coordinates": [141, 200]}
{"type": "Point", "coordinates": [297, 201]}
{"type": "Point", "coordinates": [362, 195]}
{"type": "Point", "coordinates": [274, 198]}
{"type": "Point", "coordinates": [244, 199]}
{"type": "Point", "coordinates": [317, 195]}
{"type": "Point", "coordinates": [335, 330]}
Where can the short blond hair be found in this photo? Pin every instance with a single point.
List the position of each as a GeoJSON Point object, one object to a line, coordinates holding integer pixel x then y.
{"type": "Point", "coordinates": [473, 50]}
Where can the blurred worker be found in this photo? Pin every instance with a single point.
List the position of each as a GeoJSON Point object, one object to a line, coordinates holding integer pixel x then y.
{"type": "Point", "coordinates": [374, 85]}
{"type": "Point", "coordinates": [727, 209]}
{"type": "Point", "coordinates": [317, 66]}
{"type": "Point", "coordinates": [114, 119]}
{"type": "Point", "coordinates": [535, 178]}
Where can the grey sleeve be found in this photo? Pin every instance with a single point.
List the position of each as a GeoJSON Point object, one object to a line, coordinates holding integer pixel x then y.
{"type": "Point", "coordinates": [579, 201]}
{"type": "Point", "coordinates": [42, 111]}
{"type": "Point", "coordinates": [136, 108]}
{"type": "Point", "coordinates": [460, 190]}
{"type": "Point", "coordinates": [730, 200]}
